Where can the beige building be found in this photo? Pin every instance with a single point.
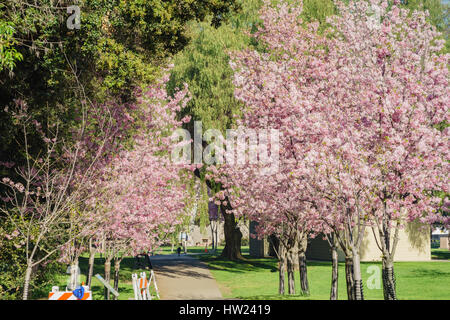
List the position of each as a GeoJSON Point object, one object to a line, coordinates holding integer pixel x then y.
{"type": "Point", "coordinates": [444, 243]}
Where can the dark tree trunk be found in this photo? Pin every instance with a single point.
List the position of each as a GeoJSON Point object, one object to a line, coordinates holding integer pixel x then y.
{"type": "Point", "coordinates": [388, 275]}
{"type": "Point", "coordinates": [233, 236]}
{"type": "Point", "coordinates": [304, 285]}
{"type": "Point", "coordinates": [116, 276]}
{"type": "Point", "coordinates": [107, 277]}
{"type": "Point", "coordinates": [290, 271]}
{"type": "Point", "coordinates": [281, 268]}
{"type": "Point", "coordinates": [349, 278]}
{"type": "Point", "coordinates": [302, 246]}
{"type": "Point", "coordinates": [389, 286]}
{"type": "Point", "coordinates": [212, 235]}
{"type": "Point", "coordinates": [334, 273]}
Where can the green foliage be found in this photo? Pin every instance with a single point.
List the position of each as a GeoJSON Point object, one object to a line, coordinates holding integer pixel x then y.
{"type": "Point", "coordinates": [13, 265]}
{"type": "Point", "coordinates": [318, 10]}
{"type": "Point", "coordinates": [121, 45]}
{"type": "Point", "coordinates": [8, 54]}
{"type": "Point", "coordinates": [204, 66]}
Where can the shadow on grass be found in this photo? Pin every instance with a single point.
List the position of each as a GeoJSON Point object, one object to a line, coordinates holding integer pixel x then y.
{"type": "Point", "coordinates": [440, 254]}
{"type": "Point", "coordinates": [429, 273]}
{"type": "Point", "coordinates": [215, 262]}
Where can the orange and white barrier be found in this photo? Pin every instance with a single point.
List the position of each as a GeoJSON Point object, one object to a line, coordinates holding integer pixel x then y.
{"type": "Point", "coordinates": [55, 294]}
{"type": "Point", "coordinates": [141, 286]}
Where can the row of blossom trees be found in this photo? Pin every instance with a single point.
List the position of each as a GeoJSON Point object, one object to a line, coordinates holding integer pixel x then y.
{"type": "Point", "coordinates": [111, 189]}
{"type": "Point", "coordinates": [358, 106]}
{"type": "Point", "coordinates": [141, 196]}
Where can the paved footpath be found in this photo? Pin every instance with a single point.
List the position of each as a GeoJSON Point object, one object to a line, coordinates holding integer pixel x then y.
{"type": "Point", "coordinates": [184, 278]}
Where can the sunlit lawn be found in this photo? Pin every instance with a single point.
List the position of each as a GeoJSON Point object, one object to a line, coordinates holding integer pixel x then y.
{"type": "Point", "coordinates": [258, 279]}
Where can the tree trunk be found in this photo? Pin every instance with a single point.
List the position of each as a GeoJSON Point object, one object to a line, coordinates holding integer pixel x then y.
{"type": "Point", "coordinates": [216, 235]}
{"type": "Point", "coordinates": [90, 270]}
{"type": "Point", "coordinates": [116, 276]}
{"type": "Point", "coordinates": [26, 284]}
{"type": "Point", "coordinates": [281, 268]}
{"type": "Point", "coordinates": [290, 271]}
{"type": "Point", "coordinates": [334, 273]}
{"type": "Point", "coordinates": [358, 285]}
{"type": "Point", "coordinates": [388, 275]}
{"type": "Point", "coordinates": [212, 235]}
{"type": "Point", "coordinates": [304, 286]}
{"type": "Point", "coordinates": [349, 278]}
{"type": "Point", "coordinates": [74, 276]}
{"type": "Point", "coordinates": [233, 237]}
{"type": "Point", "coordinates": [107, 277]}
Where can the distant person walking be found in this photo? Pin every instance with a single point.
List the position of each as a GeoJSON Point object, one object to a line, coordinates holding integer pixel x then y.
{"type": "Point", "coordinates": [179, 250]}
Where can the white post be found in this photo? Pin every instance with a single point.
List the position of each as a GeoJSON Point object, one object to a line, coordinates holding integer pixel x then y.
{"type": "Point", "coordinates": [147, 288]}
{"type": "Point", "coordinates": [135, 286]}
{"type": "Point", "coordinates": [143, 276]}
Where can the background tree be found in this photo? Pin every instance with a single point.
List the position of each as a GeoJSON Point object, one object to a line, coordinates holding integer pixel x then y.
{"type": "Point", "coordinates": [204, 66]}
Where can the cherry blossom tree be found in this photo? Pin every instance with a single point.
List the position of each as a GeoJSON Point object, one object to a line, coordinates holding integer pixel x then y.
{"type": "Point", "coordinates": [396, 82]}
{"type": "Point", "coordinates": [46, 202]}
{"type": "Point", "coordinates": [357, 109]}
{"type": "Point", "coordinates": [140, 195]}
{"type": "Point", "coordinates": [268, 83]}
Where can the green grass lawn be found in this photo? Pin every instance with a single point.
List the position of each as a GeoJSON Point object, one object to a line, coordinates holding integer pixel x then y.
{"type": "Point", "coordinates": [258, 279]}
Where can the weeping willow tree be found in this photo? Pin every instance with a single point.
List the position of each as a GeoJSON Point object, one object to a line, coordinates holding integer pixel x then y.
{"type": "Point", "coordinates": [204, 66]}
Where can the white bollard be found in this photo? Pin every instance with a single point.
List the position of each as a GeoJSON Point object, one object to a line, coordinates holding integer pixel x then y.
{"type": "Point", "coordinates": [135, 286]}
